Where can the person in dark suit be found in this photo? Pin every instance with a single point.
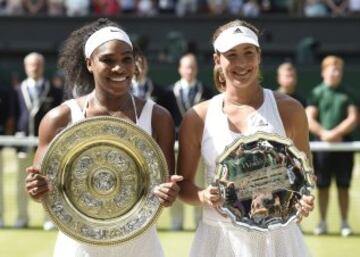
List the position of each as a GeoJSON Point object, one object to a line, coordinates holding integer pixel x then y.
{"type": "Point", "coordinates": [6, 128]}
{"type": "Point", "coordinates": [142, 85]}
{"type": "Point", "coordinates": [34, 98]}
{"type": "Point", "coordinates": [187, 91]}
{"type": "Point", "coordinates": [178, 98]}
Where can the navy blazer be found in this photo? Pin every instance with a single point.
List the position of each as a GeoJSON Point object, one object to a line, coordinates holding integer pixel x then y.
{"type": "Point", "coordinates": [174, 102]}
{"type": "Point", "coordinates": [29, 114]}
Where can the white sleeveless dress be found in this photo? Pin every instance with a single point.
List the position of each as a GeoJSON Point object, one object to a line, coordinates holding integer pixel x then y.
{"type": "Point", "coordinates": [216, 236]}
{"type": "Point", "coordinates": [147, 244]}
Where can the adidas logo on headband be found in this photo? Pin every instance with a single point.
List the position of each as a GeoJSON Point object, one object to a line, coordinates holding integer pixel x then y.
{"type": "Point", "coordinates": [237, 30]}
{"type": "Point", "coordinates": [232, 37]}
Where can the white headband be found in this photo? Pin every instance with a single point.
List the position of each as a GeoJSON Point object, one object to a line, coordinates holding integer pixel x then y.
{"type": "Point", "coordinates": [234, 36]}
{"type": "Point", "coordinates": [104, 35]}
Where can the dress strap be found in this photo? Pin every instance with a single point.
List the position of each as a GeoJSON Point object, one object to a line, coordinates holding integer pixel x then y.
{"type": "Point", "coordinates": [86, 105]}
{"type": "Point", "coordinates": [135, 110]}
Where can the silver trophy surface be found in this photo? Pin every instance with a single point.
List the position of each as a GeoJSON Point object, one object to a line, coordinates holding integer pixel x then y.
{"type": "Point", "coordinates": [261, 178]}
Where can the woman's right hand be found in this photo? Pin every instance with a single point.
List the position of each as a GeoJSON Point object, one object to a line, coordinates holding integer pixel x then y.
{"type": "Point", "coordinates": [36, 184]}
{"type": "Point", "coordinates": [211, 196]}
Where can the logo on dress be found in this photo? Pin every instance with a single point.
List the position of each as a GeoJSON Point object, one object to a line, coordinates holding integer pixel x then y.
{"type": "Point", "coordinates": [262, 123]}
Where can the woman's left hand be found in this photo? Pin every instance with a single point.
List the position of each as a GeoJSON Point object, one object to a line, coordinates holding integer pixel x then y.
{"type": "Point", "coordinates": [167, 192]}
{"type": "Point", "coordinates": [305, 206]}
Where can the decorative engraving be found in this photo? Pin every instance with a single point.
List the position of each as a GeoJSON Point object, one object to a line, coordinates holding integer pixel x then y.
{"type": "Point", "coordinates": [103, 171]}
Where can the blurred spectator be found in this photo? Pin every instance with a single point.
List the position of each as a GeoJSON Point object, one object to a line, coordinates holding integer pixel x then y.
{"type": "Point", "coordinates": [251, 8]}
{"type": "Point", "coordinates": [167, 6]}
{"type": "Point", "coordinates": [337, 7]}
{"type": "Point", "coordinates": [332, 116]}
{"type": "Point", "coordinates": [105, 7]}
{"type": "Point", "coordinates": [58, 81]}
{"type": "Point", "coordinates": [287, 80]}
{"type": "Point", "coordinates": [202, 6]}
{"type": "Point", "coordinates": [77, 7]}
{"type": "Point", "coordinates": [55, 7]}
{"type": "Point", "coordinates": [143, 86]}
{"type": "Point", "coordinates": [6, 128]}
{"type": "Point", "coordinates": [15, 80]}
{"type": "Point", "coordinates": [3, 7]}
{"type": "Point", "coordinates": [14, 7]}
{"type": "Point", "coordinates": [184, 7]}
{"type": "Point", "coordinates": [146, 8]}
{"type": "Point", "coordinates": [128, 6]}
{"type": "Point", "coordinates": [187, 91]}
{"type": "Point", "coordinates": [217, 7]}
{"type": "Point", "coordinates": [354, 7]}
{"type": "Point", "coordinates": [234, 6]}
{"type": "Point", "coordinates": [315, 8]}
{"type": "Point", "coordinates": [35, 7]}
{"type": "Point", "coordinates": [34, 98]}
{"type": "Point", "coordinates": [280, 6]}
{"type": "Point", "coordinates": [180, 97]}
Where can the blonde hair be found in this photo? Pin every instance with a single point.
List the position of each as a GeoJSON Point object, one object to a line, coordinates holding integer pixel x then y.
{"type": "Point", "coordinates": [34, 55]}
{"type": "Point", "coordinates": [332, 60]}
{"type": "Point", "coordinates": [188, 55]}
{"type": "Point", "coordinates": [286, 66]}
{"type": "Point", "coordinates": [218, 77]}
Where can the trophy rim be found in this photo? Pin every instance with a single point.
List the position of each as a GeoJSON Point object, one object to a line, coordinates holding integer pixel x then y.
{"type": "Point", "coordinates": [162, 173]}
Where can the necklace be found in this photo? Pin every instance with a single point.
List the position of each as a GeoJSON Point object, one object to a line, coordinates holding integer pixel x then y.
{"type": "Point", "coordinates": [120, 112]}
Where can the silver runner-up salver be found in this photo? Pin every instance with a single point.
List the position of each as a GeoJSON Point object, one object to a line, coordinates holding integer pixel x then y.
{"type": "Point", "coordinates": [261, 178]}
{"type": "Point", "coordinates": [102, 172]}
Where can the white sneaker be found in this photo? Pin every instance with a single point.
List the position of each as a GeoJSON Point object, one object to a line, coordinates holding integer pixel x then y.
{"type": "Point", "coordinates": [345, 230]}
{"type": "Point", "coordinates": [321, 229]}
{"type": "Point", "coordinates": [48, 225]}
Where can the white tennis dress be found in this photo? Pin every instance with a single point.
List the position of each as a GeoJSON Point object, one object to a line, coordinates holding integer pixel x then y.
{"type": "Point", "coordinates": [147, 244]}
{"type": "Point", "coordinates": [216, 236]}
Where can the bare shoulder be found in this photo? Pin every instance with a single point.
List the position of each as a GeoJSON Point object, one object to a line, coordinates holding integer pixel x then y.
{"type": "Point", "coordinates": [53, 122]}
{"type": "Point", "coordinates": [160, 113]}
{"type": "Point", "coordinates": [197, 113]}
{"type": "Point", "coordinates": [192, 125]}
{"type": "Point", "coordinates": [294, 120]}
{"type": "Point", "coordinates": [289, 108]}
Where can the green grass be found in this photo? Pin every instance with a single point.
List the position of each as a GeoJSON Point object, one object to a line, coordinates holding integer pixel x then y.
{"type": "Point", "coordinates": [35, 242]}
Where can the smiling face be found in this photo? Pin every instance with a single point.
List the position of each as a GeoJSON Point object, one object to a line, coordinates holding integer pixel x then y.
{"type": "Point", "coordinates": [240, 65]}
{"type": "Point", "coordinates": [112, 65]}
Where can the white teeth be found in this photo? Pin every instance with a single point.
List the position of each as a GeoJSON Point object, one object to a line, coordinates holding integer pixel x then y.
{"type": "Point", "coordinates": [121, 79]}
